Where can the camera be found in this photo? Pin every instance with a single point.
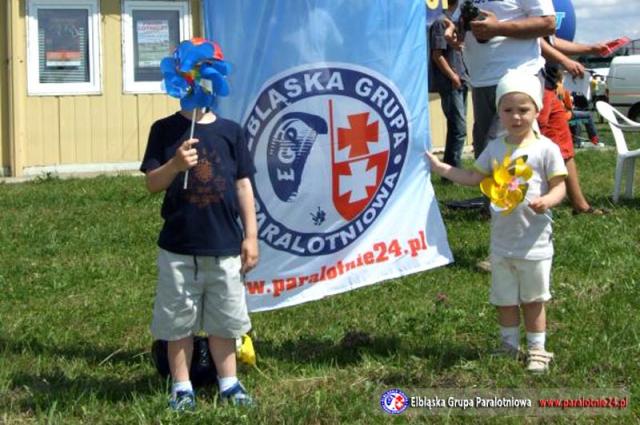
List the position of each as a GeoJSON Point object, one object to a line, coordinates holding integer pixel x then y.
{"type": "Point", "coordinates": [468, 13]}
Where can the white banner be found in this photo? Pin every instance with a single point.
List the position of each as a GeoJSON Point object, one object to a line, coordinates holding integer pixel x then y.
{"type": "Point", "coordinates": [333, 98]}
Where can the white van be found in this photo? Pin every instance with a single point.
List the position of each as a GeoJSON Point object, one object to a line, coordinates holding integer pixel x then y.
{"type": "Point", "coordinates": [623, 85]}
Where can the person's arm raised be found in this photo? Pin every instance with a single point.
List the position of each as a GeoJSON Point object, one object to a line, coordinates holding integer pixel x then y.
{"type": "Point", "coordinates": [530, 27]}
{"type": "Point", "coordinates": [552, 54]}
{"type": "Point", "coordinates": [572, 48]}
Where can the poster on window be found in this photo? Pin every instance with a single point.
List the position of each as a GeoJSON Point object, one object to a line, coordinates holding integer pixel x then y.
{"type": "Point", "coordinates": [63, 39]}
{"type": "Point", "coordinates": [153, 42]}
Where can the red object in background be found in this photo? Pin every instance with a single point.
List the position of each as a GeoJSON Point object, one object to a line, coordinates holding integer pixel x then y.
{"type": "Point", "coordinates": [613, 45]}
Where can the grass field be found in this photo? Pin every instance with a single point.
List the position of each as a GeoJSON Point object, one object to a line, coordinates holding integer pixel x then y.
{"type": "Point", "coordinates": [77, 277]}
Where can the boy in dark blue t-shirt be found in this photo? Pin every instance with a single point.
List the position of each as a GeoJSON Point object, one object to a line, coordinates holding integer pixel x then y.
{"type": "Point", "coordinates": [204, 252]}
{"type": "Point", "coordinates": [448, 78]}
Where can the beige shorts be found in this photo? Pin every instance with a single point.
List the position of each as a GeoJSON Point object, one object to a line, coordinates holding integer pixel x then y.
{"type": "Point", "coordinates": [197, 293]}
{"type": "Point", "coordinates": [515, 281]}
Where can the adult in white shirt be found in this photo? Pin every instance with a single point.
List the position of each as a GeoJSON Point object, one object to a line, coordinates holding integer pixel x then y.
{"type": "Point", "coordinates": [513, 29]}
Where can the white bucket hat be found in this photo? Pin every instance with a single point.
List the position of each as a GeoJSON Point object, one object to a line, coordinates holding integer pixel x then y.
{"type": "Point", "coordinates": [521, 82]}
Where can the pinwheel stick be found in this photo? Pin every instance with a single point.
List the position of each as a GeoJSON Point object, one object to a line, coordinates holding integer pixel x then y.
{"type": "Point", "coordinates": [193, 128]}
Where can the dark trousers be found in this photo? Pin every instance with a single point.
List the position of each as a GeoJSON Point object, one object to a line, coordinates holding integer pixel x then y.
{"type": "Point", "coordinates": [585, 118]}
{"type": "Point", "coordinates": [486, 124]}
{"type": "Point", "coordinates": [454, 107]}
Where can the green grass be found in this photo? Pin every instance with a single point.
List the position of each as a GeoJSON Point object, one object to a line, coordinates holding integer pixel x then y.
{"type": "Point", "coordinates": [77, 278]}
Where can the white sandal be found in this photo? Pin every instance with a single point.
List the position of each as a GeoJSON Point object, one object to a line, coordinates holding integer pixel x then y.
{"type": "Point", "coordinates": [538, 360]}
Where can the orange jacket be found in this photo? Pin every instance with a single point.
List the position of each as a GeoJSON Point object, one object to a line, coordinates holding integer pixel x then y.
{"type": "Point", "coordinates": [565, 97]}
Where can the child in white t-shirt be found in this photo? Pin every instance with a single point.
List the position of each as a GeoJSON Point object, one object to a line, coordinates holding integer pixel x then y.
{"type": "Point", "coordinates": [521, 246]}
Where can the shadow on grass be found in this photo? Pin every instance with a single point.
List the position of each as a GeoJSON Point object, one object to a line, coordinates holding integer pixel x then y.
{"type": "Point", "coordinates": [436, 359]}
{"type": "Point", "coordinates": [468, 259]}
{"type": "Point", "coordinates": [347, 351]}
{"type": "Point", "coordinates": [480, 215]}
{"type": "Point", "coordinates": [88, 352]}
{"type": "Point", "coordinates": [623, 202]}
{"type": "Point", "coordinates": [35, 391]}
{"type": "Point", "coordinates": [32, 393]}
{"type": "Point", "coordinates": [448, 354]}
{"type": "Point", "coordinates": [356, 344]}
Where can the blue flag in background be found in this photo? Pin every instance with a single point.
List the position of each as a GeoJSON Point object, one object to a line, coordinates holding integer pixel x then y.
{"type": "Point", "coordinates": [333, 98]}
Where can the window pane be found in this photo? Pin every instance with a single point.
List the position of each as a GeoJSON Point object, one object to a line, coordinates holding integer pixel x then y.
{"type": "Point", "coordinates": [156, 33]}
{"type": "Point", "coordinates": [63, 45]}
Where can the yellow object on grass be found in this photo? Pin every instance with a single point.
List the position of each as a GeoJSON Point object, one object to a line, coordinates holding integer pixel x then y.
{"type": "Point", "coordinates": [244, 350]}
{"type": "Point", "coordinates": [507, 185]}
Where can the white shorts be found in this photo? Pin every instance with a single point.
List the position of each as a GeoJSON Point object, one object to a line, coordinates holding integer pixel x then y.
{"type": "Point", "coordinates": [197, 293]}
{"type": "Point", "coordinates": [515, 281]}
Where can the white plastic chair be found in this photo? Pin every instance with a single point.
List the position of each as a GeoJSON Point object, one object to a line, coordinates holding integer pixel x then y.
{"type": "Point", "coordinates": [625, 161]}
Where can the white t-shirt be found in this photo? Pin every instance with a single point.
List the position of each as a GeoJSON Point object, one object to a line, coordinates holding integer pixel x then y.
{"type": "Point", "coordinates": [488, 62]}
{"type": "Point", "coordinates": [524, 233]}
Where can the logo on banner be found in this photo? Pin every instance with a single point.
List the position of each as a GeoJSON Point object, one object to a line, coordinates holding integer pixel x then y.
{"type": "Point", "coordinates": [329, 144]}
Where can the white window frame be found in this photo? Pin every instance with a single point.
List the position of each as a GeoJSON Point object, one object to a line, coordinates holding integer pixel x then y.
{"type": "Point", "coordinates": [128, 74]}
{"type": "Point", "coordinates": [94, 85]}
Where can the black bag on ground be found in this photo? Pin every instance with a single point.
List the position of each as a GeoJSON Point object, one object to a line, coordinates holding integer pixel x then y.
{"type": "Point", "coordinates": [203, 369]}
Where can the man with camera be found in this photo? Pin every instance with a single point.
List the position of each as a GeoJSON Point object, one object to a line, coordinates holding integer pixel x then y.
{"type": "Point", "coordinates": [498, 36]}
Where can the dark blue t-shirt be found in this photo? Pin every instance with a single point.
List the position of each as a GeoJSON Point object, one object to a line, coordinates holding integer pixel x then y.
{"type": "Point", "coordinates": [438, 81]}
{"type": "Point", "coordinates": [203, 219]}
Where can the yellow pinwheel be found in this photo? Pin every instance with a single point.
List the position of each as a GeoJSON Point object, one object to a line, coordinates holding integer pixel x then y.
{"type": "Point", "coordinates": [507, 185]}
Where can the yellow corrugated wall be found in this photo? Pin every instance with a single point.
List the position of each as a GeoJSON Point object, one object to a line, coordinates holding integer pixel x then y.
{"type": "Point", "coordinates": [74, 130]}
{"type": "Point", "coordinates": [4, 90]}
{"type": "Point", "coordinates": [108, 128]}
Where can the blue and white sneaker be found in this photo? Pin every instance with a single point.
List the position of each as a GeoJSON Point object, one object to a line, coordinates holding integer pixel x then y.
{"type": "Point", "coordinates": [183, 401]}
{"type": "Point", "coordinates": [237, 395]}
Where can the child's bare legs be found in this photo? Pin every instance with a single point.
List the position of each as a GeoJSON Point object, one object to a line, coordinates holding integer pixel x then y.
{"type": "Point", "coordinates": [535, 322]}
{"type": "Point", "coordinates": [179, 353]}
{"type": "Point", "coordinates": [509, 316]}
{"type": "Point", "coordinates": [509, 320]}
{"type": "Point", "coordinates": [223, 351]}
{"type": "Point", "coordinates": [535, 319]}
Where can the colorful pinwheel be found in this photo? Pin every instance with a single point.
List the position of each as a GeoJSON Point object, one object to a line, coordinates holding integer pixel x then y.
{"type": "Point", "coordinates": [196, 73]}
{"type": "Point", "coordinates": [507, 186]}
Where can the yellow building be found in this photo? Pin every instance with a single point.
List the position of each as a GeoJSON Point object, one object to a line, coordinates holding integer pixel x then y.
{"type": "Point", "coordinates": [79, 81]}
